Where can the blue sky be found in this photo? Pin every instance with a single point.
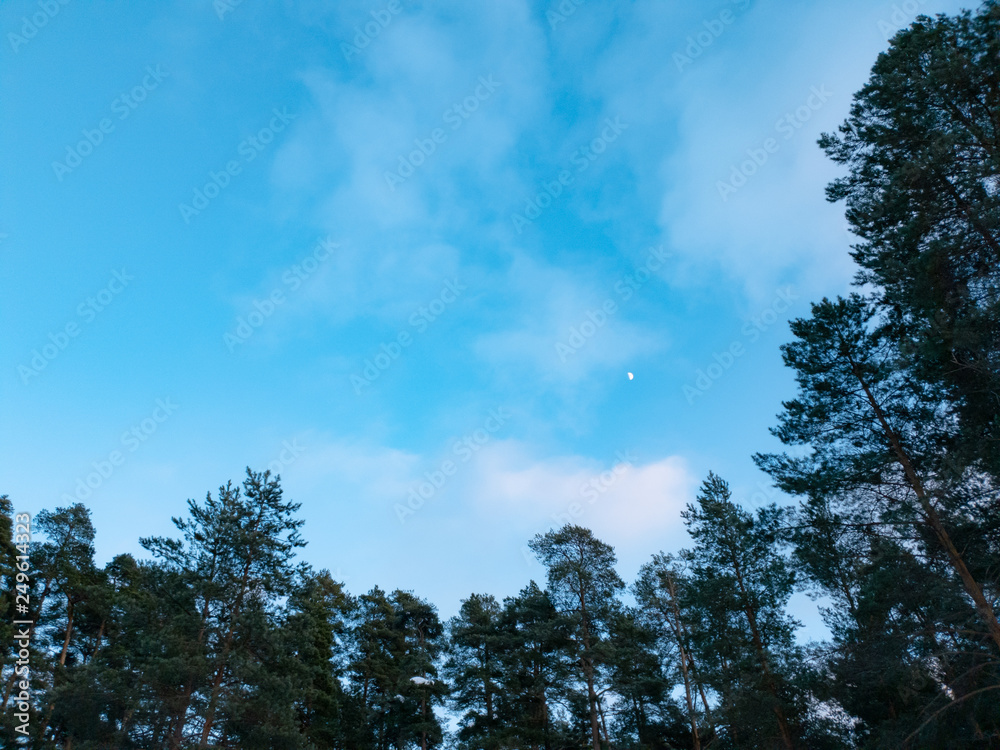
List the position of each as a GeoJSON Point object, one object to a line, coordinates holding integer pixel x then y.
{"type": "Point", "coordinates": [389, 245]}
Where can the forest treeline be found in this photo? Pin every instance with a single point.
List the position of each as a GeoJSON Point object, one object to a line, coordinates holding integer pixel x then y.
{"type": "Point", "coordinates": [221, 637]}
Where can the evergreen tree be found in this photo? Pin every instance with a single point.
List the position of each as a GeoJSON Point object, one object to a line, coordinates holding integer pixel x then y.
{"type": "Point", "coordinates": [395, 643]}
{"type": "Point", "coordinates": [63, 576]}
{"type": "Point", "coordinates": [662, 594]}
{"type": "Point", "coordinates": [922, 145]}
{"type": "Point", "coordinates": [645, 714]}
{"type": "Point", "coordinates": [423, 641]}
{"type": "Point", "coordinates": [475, 670]}
{"type": "Point", "coordinates": [879, 495]}
{"type": "Point", "coordinates": [874, 441]}
{"type": "Point", "coordinates": [236, 554]}
{"type": "Point", "coordinates": [740, 585]}
{"type": "Point", "coordinates": [584, 586]}
{"type": "Point", "coordinates": [537, 655]}
{"type": "Point", "coordinates": [315, 631]}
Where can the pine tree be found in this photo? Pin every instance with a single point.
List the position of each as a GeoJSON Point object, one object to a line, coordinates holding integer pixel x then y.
{"type": "Point", "coordinates": [662, 594]}
{"type": "Point", "coordinates": [740, 585]}
{"type": "Point", "coordinates": [63, 575]}
{"type": "Point", "coordinates": [537, 664]}
{"type": "Point", "coordinates": [645, 714]}
{"type": "Point", "coordinates": [236, 553]}
{"type": "Point", "coordinates": [423, 640]}
{"type": "Point", "coordinates": [474, 668]}
{"type": "Point", "coordinates": [879, 493]}
{"type": "Point", "coordinates": [584, 586]}
{"type": "Point", "coordinates": [874, 434]}
{"type": "Point", "coordinates": [314, 633]}
{"type": "Point", "coordinates": [922, 145]}
{"type": "Point", "coordinates": [396, 641]}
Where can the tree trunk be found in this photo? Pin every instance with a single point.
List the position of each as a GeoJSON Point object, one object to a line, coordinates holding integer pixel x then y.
{"type": "Point", "coordinates": [423, 715]}
{"type": "Point", "coordinates": [220, 672]}
{"type": "Point", "coordinates": [604, 724]}
{"type": "Point", "coordinates": [676, 627]}
{"type": "Point", "coordinates": [177, 736]}
{"type": "Point", "coordinates": [69, 631]}
{"type": "Point", "coordinates": [100, 636]}
{"type": "Point", "coordinates": [972, 587]}
{"type": "Point", "coordinates": [758, 642]}
{"type": "Point", "coordinates": [588, 673]}
{"type": "Point", "coordinates": [223, 661]}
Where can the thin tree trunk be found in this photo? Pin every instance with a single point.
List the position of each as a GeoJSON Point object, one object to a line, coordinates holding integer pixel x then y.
{"type": "Point", "coordinates": [223, 662]}
{"type": "Point", "coordinates": [69, 631]}
{"type": "Point", "coordinates": [676, 626]}
{"type": "Point", "coordinates": [100, 636]}
{"type": "Point", "coordinates": [220, 672]}
{"type": "Point", "coordinates": [704, 700]}
{"type": "Point", "coordinates": [62, 664]}
{"type": "Point", "coordinates": [972, 587]}
{"type": "Point", "coordinates": [758, 642]}
{"type": "Point", "coordinates": [588, 672]}
{"type": "Point", "coordinates": [604, 724]}
{"type": "Point", "coordinates": [177, 736]}
{"type": "Point", "coordinates": [423, 715]}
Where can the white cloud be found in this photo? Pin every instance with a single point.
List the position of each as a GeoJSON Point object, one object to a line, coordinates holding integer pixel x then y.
{"type": "Point", "coordinates": [629, 504]}
{"type": "Point", "coordinates": [778, 227]}
{"type": "Point", "coordinates": [473, 530]}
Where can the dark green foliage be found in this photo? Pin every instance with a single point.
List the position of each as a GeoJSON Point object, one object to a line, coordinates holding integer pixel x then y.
{"type": "Point", "coordinates": [887, 530]}
{"type": "Point", "coordinates": [395, 645]}
{"type": "Point", "coordinates": [645, 715]}
{"type": "Point", "coordinates": [475, 669]}
{"type": "Point", "coordinates": [666, 609]}
{"type": "Point", "coordinates": [537, 663]}
{"type": "Point", "coordinates": [313, 638]}
{"type": "Point", "coordinates": [923, 148]}
{"type": "Point", "coordinates": [583, 585]}
{"type": "Point", "coordinates": [741, 636]}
